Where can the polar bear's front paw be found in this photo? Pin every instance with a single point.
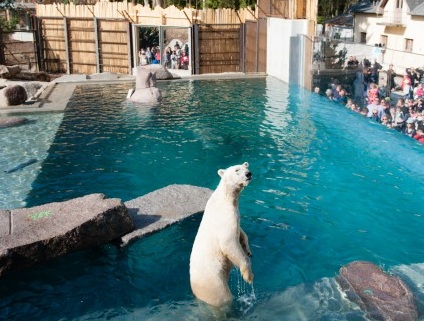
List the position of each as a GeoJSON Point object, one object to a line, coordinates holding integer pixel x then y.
{"type": "Point", "coordinates": [248, 275]}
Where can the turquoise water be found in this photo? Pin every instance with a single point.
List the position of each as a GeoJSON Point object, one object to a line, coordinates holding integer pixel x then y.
{"type": "Point", "coordinates": [328, 187]}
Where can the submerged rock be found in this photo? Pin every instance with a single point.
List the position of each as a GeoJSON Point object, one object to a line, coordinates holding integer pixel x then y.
{"type": "Point", "coordinates": [12, 121]}
{"type": "Point", "coordinates": [32, 235]}
{"type": "Point", "coordinates": [382, 296]}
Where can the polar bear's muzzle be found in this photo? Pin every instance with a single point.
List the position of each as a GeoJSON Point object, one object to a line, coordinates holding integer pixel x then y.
{"type": "Point", "coordinates": [249, 176]}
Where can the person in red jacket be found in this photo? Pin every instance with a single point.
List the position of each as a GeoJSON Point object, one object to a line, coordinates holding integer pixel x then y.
{"type": "Point", "coordinates": [419, 136]}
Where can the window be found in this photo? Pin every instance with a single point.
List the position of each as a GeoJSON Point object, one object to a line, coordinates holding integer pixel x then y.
{"type": "Point", "coordinates": [409, 44]}
{"type": "Point", "coordinates": [363, 37]}
{"type": "Point", "coordinates": [399, 4]}
{"type": "Point", "coordinates": [383, 41]}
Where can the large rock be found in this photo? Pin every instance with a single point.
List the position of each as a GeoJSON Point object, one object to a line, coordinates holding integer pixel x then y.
{"type": "Point", "coordinates": [163, 207]}
{"type": "Point", "coordinates": [7, 72]}
{"type": "Point", "coordinates": [12, 121]}
{"type": "Point", "coordinates": [32, 76]}
{"type": "Point", "coordinates": [12, 95]}
{"type": "Point", "coordinates": [145, 87]}
{"type": "Point", "coordinates": [32, 88]}
{"type": "Point", "coordinates": [32, 235]}
{"type": "Point", "coordinates": [382, 296]}
{"type": "Point", "coordinates": [160, 71]}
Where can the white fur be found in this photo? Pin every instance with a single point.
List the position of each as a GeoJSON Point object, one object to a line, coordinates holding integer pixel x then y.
{"type": "Point", "coordinates": [220, 242]}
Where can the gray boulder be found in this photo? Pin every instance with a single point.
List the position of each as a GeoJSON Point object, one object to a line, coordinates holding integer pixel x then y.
{"type": "Point", "coordinates": [12, 95]}
{"type": "Point", "coordinates": [145, 87]}
{"type": "Point", "coordinates": [32, 88]}
{"type": "Point", "coordinates": [382, 296]}
{"type": "Point", "coordinates": [32, 235]}
{"type": "Point", "coordinates": [160, 71]}
{"type": "Point", "coordinates": [163, 207]}
{"type": "Point", "coordinates": [12, 121]}
{"type": "Point", "coordinates": [7, 72]}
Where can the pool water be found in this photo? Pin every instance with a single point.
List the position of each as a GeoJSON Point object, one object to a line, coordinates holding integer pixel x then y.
{"type": "Point", "coordinates": [329, 187]}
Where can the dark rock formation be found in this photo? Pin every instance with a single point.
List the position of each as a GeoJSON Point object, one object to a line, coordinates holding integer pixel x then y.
{"type": "Point", "coordinates": [145, 89]}
{"type": "Point", "coordinates": [163, 207]}
{"type": "Point", "coordinates": [12, 121]}
{"type": "Point", "coordinates": [32, 235]}
{"type": "Point", "coordinates": [32, 76]}
{"type": "Point", "coordinates": [382, 296]}
{"type": "Point", "coordinates": [12, 95]}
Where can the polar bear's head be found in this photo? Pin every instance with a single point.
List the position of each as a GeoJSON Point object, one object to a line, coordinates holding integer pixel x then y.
{"type": "Point", "coordinates": [237, 176]}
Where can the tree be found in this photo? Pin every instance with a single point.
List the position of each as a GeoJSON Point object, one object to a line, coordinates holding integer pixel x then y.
{"type": "Point", "coordinates": [331, 8]}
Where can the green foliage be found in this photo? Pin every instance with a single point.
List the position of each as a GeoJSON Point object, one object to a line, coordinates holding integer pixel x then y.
{"type": "Point", "coordinates": [8, 25]}
{"type": "Point", "coordinates": [149, 37]}
{"type": "Point", "coordinates": [331, 8]}
{"type": "Point", "coordinates": [333, 59]}
{"type": "Point", "coordinates": [321, 20]}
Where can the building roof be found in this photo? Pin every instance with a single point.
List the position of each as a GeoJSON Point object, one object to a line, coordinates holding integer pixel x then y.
{"type": "Point", "coordinates": [345, 19]}
{"type": "Point", "coordinates": [412, 4]}
{"type": "Point", "coordinates": [366, 6]}
{"type": "Point", "coordinates": [417, 10]}
{"type": "Point", "coordinates": [416, 7]}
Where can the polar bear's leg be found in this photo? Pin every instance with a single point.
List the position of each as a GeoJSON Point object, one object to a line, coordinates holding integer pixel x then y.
{"type": "Point", "coordinates": [244, 242]}
{"type": "Point", "coordinates": [234, 252]}
{"type": "Point", "coordinates": [215, 293]}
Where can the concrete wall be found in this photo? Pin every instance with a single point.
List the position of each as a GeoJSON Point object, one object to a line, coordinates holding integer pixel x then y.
{"type": "Point", "coordinates": [278, 39]}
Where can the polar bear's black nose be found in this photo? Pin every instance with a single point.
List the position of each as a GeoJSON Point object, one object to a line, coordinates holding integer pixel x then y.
{"type": "Point", "coordinates": [249, 175]}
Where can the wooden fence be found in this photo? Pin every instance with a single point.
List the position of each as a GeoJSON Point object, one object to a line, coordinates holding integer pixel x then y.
{"type": "Point", "coordinates": [255, 43]}
{"type": "Point", "coordinates": [217, 48]}
{"type": "Point", "coordinates": [85, 45]}
{"type": "Point", "coordinates": [97, 38]}
{"type": "Point", "coordinates": [138, 14]}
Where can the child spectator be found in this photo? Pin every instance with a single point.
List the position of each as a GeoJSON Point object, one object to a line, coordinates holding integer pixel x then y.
{"type": "Point", "coordinates": [372, 93]}
{"type": "Point", "coordinates": [418, 91]}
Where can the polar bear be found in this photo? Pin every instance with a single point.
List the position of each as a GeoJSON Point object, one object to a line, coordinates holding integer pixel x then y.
{"type": "Point", "coordinates": [220, 242]}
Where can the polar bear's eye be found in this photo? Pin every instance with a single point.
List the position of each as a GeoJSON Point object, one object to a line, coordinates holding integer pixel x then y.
{"type": "Point", "coordinates": [237, 170]}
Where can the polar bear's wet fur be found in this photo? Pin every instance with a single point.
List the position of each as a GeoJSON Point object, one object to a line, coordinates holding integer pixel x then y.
{"type": "Point", "coordinates": [220, 242]}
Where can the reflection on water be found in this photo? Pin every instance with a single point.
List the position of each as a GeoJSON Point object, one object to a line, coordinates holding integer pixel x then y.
{"type": "Point", "coordinates": [328, 188]}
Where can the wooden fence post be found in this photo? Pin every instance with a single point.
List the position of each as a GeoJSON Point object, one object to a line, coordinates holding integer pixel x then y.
{"type": "Point", "coordinates": [242, 46]}
{"type": "Point", "coordinates": [96, 41]}
{"type": "Point", "coordinates": [65, 29]}
{"type": "Point", "coordinates": [39, 39]}
{"type": "Point", "coordinates": [129, 36]}
{"type": "Point", "coordinates": [257, 47]}
{"type": "Point", "coordinates": [2, 57]}
{"type": "Point", "coordinates": [196, 49]}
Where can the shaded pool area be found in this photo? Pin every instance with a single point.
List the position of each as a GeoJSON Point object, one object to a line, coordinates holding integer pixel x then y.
{"type": "Point", "coordinates": [329, 187]}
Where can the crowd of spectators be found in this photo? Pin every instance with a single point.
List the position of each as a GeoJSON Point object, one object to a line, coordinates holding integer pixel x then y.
{"type": "Point", "coordinates": [406, 114]}
{"type": "Point", "coordinates": [172, 59]}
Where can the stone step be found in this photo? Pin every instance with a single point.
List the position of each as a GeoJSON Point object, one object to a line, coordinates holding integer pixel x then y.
{"type": "Point", "coordinates": [29, 236]}
{"type": "Point", "coordinates": [163, 207]}
{"type": "Point", "coordinates": [33, 235]}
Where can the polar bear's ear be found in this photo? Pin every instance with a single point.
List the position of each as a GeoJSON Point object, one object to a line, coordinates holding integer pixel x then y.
{"type": "Point", "coordinates": [221, 172]}
{"type": "Point", "coordinates": [246, 164]}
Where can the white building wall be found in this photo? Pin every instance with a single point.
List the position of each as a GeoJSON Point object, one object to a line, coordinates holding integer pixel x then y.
{"type": "Point", "coordinates": [395, 50]}
{"type": "Point", "coordinates": [278, 39]}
